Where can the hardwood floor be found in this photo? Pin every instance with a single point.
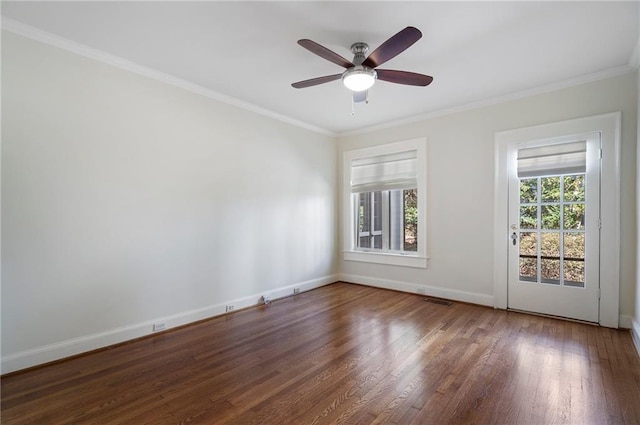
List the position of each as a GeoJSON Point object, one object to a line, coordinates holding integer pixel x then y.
{"type": "Point", "coordinates": [345, 354]}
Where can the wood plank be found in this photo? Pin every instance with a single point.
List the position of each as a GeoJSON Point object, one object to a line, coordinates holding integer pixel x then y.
{"type": "Point", "coordinates": [345, 354]}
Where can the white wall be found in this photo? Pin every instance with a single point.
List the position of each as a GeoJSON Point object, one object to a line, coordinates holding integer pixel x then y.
{"type": "Point", "coordinates": [461, 189]}
{"type": "Point", "coordinates": [127, 201]}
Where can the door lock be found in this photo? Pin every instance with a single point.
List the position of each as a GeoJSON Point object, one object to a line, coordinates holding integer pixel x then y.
{"type": "Point", "coordinates": [514, 238]}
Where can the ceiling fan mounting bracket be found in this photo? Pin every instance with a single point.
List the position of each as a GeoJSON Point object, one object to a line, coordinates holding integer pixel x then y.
{"type": "Point", "coordinates": [359, 51]}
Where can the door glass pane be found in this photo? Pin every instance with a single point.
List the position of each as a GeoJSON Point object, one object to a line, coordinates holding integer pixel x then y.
{"type": "Point", "coordinates": [574, 188]}
{"type": "Point", "coordinates": [528, 243]}
{"type": "Point", "coordinates": [574, 273]}
{"type": "Point", "coordinates": [528, 216]}
{"type": "Point", "coordinates": [529, 269]}
{"type": "Point", "coordinates": [550, 257]}
{"type": "Point", "coordinates": [550, 189]}
{"type": "Point", "coordinates": [574, 216]}
{"type": "Point", "coordinates": [573, 266]}
{"type": "Point", "coordinates": [529, 256]}
{"type": "Point", "coordinates": [550, 216]}
{"type": "Point", "coordinates": [552, 224]}
{"type": "Point", "coordinates": [550, 245]}
{"type": "Point", "coordinates": [528, 191]}
{"type": "Point", "coordinates": [550, 271]}
{"type": "Point", "coordinates": [573, 246]}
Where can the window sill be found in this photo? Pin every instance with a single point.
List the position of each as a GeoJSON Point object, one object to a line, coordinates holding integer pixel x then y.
{"type": "Point", "coordinates": [387, 258]}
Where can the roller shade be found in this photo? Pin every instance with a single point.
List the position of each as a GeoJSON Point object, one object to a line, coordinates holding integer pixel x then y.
{"type": "Point", "coordinates": [385, 172]}
{"type": "Point", "coordinates": [565, 158]}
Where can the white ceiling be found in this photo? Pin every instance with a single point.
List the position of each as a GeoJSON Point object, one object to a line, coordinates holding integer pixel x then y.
{"type": "Point", "coordinates": [476, 51]}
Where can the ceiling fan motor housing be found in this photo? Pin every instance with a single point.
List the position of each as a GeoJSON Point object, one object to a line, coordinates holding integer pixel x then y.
{"type": "Point", "coordinates": [359, 78]}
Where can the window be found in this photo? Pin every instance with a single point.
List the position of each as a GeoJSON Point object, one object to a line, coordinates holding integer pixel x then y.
{"type": "Point", "coordinates": [399, 209]}
{"type": "Point", "coordinates": [552, 213]}
{"type": "Point", "coordinates": [384, 204]}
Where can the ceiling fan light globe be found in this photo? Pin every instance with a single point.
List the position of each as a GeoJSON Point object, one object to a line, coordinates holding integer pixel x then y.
{"type": "Point", "coordinates": [359, 79]}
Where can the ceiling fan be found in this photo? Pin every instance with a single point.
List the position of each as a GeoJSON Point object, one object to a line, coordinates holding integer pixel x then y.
{"type": "Point", "coordinates": [360, 73]}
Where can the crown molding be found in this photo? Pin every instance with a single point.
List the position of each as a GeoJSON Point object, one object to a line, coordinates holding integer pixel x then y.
{"type": "Point", "coordinates": [36, 34]}
{"type": "Point", "coordinates": [602, 75]}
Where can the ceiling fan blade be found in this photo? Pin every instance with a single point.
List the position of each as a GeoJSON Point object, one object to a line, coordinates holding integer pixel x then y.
{"type": "Point", "coordinates": [325, 53]}
{"type": "Point", "coordinates": [393, 47]}
{"type": "Point", "coordinates": [404, 77]}
{"type": "Point", "coordinates": [316, 81]}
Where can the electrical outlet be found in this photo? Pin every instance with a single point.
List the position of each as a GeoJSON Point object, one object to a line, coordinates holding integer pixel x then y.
{"type": "Point", "coordinates": [266, 300]}
{"type": "Point", "coordinates": [159, 326]}
{"type": "Point", "coordinates": [296, 290]}
{"type": "Point", "coordinates": [230, 308]}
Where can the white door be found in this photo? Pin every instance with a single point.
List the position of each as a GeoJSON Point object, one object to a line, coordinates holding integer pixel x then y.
{"type": "Point", "coordinates": [554, 220]}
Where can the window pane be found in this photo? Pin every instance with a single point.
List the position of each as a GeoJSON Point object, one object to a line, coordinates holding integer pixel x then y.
{"type": "Point", "coordinates": [410, 220]}
{"type": "Point", "coordinates": [550, 271]}
{"type": "Point", "coordinates": [377, 242]}
{"type": "Point", "coordinates": [388, 220]}
{"type": "Point", "coordinates": [550, 189]}
{"type": "Point", "coordinates": [364, 220]}
{"type": "Point", "coordinates": [377, 211]}
{"type": "Point", "coordinates": [574, 188]}
{"type": "Point", "coordinates": [364, 212]}
{"type": "Point", "coordinates": [528, 216]}
{"type": "Point", "coordinates": [528, 243]}
{"type": "Point", "coordinates": [529, 269]}
{"type": "Point", "coordinates": [573, 245]}
{"type": "Point", "coordinates": [550, 244]}
{"type": "Point", "coordinates": [396, 220]}
{"type": "Point", "coordinates": [574, 273]}
{"type": "Point", "coordinates": [574, 216]}
{"type": "Point", "coordinates": [528, 191]}
{"type": "Point", "coordinates": [550, 266]}
{"type": "Point", "coordinates": [529, 256]}
{"type": "Point", "coordinates": [550, 216]}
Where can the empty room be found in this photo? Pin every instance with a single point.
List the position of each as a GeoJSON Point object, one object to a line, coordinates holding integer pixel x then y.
{"type": "Point", "coordinates": [320, 212]}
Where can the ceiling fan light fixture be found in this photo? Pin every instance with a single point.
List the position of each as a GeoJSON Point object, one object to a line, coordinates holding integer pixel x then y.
{"type": "Point", "coordinates": [359, 78]}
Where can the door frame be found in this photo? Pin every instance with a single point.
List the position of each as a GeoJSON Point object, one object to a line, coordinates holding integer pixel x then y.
{"type": "Point", "coordinates": [609, 126]}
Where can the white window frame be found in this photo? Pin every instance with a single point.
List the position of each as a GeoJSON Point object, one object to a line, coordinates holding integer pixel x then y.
{"type": "Point", "coordinates": [405, 258]}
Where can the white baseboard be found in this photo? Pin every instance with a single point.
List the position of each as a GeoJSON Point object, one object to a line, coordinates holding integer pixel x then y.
{"type": "Point", "coordinates": [635, 334]}
{"type": "Point", "coordinates": [625, 322]}
{"type": "Point", "coordinates": [415, 288]}
{"type": "Point", "coordinates": [71, 347]}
